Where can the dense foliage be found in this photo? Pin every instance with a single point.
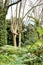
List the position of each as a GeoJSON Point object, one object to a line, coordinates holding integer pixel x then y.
{"type": "Point", "coordinates": [31, 51]}
{"type": "Point", "coordinates": [3, 33]}
{"type": "Point", "coordinates": [28, 55]}
{"type": "Point", "coordinates": [30, 36]}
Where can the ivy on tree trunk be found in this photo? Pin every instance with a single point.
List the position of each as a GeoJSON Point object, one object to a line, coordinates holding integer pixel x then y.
{"type": "Point", "coordinates": [3, 31]}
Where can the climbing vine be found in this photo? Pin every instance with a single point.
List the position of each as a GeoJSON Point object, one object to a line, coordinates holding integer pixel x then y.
{"type": "Point", "coordinates": [3, 32]}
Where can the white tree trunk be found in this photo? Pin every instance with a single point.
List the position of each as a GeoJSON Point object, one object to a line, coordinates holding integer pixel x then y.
{"type": "Point", "coordinates": [19, 25]}
{"type": "Point", "coordinates": [19, 39]}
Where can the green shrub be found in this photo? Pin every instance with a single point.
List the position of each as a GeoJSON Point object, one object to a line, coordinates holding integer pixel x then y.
{"type": "Point", "coordinates": [10, 55]}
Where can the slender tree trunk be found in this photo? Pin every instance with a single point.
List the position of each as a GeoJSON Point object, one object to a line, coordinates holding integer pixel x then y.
{"type": "Point", "coordinates": [19, 25]}
{"type": "Point", "coordinates": [20, 22]}
{"type": "Point", "coordinates": [15, 28]}
{"type": "Point", "coordinates": [19, 39]}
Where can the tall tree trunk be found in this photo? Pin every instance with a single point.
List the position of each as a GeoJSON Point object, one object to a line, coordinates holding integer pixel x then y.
{"type": "Point", "coordinates": [3, 37]}
{"type": "Point", "coordinates": [15, 28]}
{"type": "Point", "coordinates": [19, 24]}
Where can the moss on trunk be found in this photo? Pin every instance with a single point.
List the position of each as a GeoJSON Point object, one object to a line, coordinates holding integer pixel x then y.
{"type": "Point", "coordinates": [3, 33]}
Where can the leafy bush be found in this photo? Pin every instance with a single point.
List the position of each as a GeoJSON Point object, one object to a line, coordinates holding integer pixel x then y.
{"type": "Point", "coordinates": [10, 55]}
{"type": "Point", "coordinates": [30, 36]}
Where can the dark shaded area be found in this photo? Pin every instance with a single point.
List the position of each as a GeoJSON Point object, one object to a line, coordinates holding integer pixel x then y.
{"type": "Point", "coordinates": [17, 40]}
{"type": "Point", "coordinates": [9, 37]}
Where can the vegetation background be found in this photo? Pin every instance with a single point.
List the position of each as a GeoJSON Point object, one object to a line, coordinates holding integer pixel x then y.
{"type": "Point", "coordinates": [21, 36]}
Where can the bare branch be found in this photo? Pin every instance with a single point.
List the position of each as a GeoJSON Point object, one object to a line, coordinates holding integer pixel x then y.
{"type": "Point", "coordinates": [14, 3]}
{"type": "Point", "coordinates": [32, 8]}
